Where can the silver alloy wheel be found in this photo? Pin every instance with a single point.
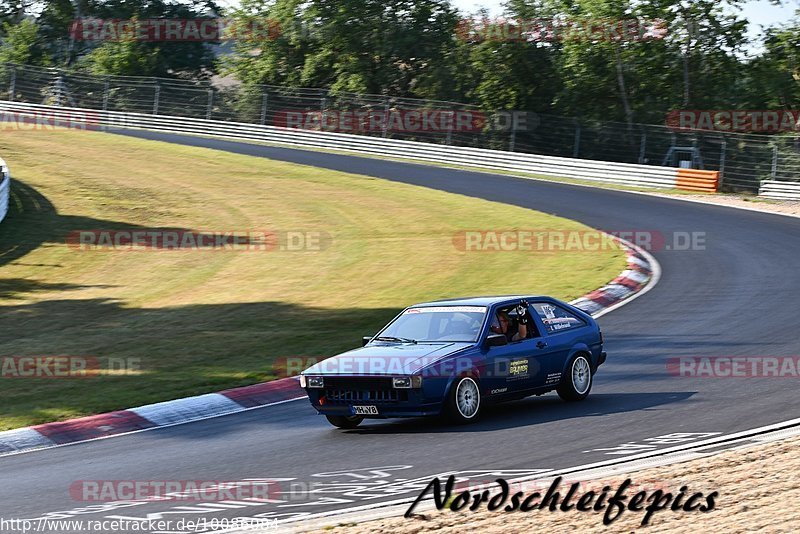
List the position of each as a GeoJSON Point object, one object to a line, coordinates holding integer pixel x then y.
{"type": "Point", "coordinates": [468, 398]}
{"type": "Point", "coordinates": [581, 375]}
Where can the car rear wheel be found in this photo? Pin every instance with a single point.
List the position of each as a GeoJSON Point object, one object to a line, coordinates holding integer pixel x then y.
{"type": "Point", "coordinates": [575, 386]}
{"type": "Point", "coordinates": [342, 421]}
{"type": "Point", "coordinates": [464, 401]}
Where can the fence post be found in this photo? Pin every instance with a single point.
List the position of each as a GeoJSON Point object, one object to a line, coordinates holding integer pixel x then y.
{"type": "Point", "coordinates": [210, 103]}
{"type": "Point", "coordinates": [156, 98]}
{"type": "Point", "coordinates": [642, 148]}
{"type": "Point", "coordinates": [449, 139]}
{"type": "Point", "coordinates": [774, 161]}
{"type": "Point", "coordinates": [722, 155]}
{"type": "Point", "coordinates": [105, 95]}
{"type": "Point", "coordinates": [385, 121]}
{"type": "Point", "coordinates": [264, 102]}
{"type": "Point", "coordinates": [577, 148]}
{"type": "Point", "coordinates": [59, 81]}
{"type": "Point", "coordinates": [512, 144]}
{"type": "Point", "coordinates": [12, 87]}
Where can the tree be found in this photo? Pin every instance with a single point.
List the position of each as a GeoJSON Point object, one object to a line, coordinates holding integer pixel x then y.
{"type": "Point", "coordinates": [22, 44]}
{"type": "Point", "coordinates": [46, 28]}
{"type": "Point", "coordinates": [398, 47]}
{"type": "Point", "coordinates": [131, 57]}
{"type": "Point", "coordinates": [688, 58]}
{"type": "Point", "coordinates": [773, 79]}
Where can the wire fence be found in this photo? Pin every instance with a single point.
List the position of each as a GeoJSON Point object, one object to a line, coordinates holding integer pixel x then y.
{"type": "Point", "coordinates": [744, 160]}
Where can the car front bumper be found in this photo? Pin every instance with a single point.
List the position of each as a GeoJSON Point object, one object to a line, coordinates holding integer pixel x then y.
{"type": "Point", "coordinates": [384, 412]}
{"type": "Point", "coordinates": [413, 404]}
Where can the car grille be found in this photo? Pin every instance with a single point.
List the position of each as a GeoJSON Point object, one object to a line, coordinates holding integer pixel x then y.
{"type": "Point", "coordinates": [373, 390]}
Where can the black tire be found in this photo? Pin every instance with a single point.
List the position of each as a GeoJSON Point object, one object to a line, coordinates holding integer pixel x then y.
{"type": "Point", "coordinates": [468, 410]}
{"type": "Point", "coordinates": [577, 383]}
{"type": "Point", "coordinates": [342, 421]}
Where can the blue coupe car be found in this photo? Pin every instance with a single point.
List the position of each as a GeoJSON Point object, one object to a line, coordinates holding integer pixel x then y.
{"type": "Point", "coordinates": [453, 357]}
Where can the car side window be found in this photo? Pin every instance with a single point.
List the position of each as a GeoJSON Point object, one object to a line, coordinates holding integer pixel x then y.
{"type": "Point", "coordinates": [555, 318]}
{"type": "Point", "coordinates": [513, 325]}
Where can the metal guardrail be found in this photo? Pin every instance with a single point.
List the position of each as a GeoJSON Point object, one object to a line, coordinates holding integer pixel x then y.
{"type": "Point", "coordinates": [5, 189]}
{"type": "Point", "coordinates": [591, 170]}
{"type": "Point", "coordinates": [780, 190]}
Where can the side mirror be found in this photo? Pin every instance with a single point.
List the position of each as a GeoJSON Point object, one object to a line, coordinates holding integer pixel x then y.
{"type": "Point", "coordinates": [365, 340]}
{"type": "Point", "coordinates": [495, 340]}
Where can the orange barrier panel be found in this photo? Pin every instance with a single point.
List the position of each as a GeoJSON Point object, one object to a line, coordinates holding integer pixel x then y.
{"type": "Point", "coordinates": [694, 180]}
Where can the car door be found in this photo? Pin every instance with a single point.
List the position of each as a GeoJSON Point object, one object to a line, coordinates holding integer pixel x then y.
{"type": "Point", "coordinates": [508, 367]}
{"type": "Point", "coordinates": [516, 366]}
{"type": "Point", "coordinates": [559, 329]}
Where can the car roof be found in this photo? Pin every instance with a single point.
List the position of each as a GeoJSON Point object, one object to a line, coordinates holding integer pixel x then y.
{"type": "Point", "coordinates": [477, 301]}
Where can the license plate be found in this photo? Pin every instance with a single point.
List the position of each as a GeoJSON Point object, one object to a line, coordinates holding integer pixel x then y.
{"type": "Point", "coordinates": [365, 410]}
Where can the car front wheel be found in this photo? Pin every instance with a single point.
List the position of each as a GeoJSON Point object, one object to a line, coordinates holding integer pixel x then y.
{"type": "Point", "coordinates": [464, 401]}
{"type": "Point", "coordinates": [341, 421]}
{"type": "Point", "coordinates": [575, 386]}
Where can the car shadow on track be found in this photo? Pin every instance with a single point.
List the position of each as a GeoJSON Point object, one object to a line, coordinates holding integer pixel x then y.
{"type": "Point", "coordinates": [531, 411]}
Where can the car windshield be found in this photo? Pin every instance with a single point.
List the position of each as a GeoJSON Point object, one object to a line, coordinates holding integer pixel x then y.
{"type": "Point", "coordinates": [436, 323]}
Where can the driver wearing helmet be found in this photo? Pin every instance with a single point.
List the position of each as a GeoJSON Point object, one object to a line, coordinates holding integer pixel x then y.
{"type": "Point", "coordinates": [503, 324]}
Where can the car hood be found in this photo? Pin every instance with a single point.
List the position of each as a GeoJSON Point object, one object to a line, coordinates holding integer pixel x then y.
{"type": "Point", "coordinates": [386, 359]}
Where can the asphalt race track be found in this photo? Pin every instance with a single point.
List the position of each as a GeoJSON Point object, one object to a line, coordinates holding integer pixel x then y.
{"type": "Point", "coordinates": [738, 297]}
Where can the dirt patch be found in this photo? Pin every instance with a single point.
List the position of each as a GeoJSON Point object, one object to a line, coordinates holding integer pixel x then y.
{"type": "Point", "coordinates": [788, 207]}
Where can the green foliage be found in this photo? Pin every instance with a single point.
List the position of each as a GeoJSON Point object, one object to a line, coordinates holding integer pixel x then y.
{"type": "Point", "coordinates": [125, 58]}
{"type": "Point", "coordinates": [397, 47]}
{"type": "Point", "coordinates": [21, 44]}
{"type": "Point", "coordinates": [47, 34]}
{"type": "Point", "coordinates": [417, 49]}
{"type": "Point", "coordinates": [774, 80]}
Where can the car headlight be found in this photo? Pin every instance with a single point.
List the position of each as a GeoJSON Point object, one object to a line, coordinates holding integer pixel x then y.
{"type": "Point", "coordinates": [401, 382]}
{"type": "Point", "coordinates": [311, 382]}
{"type": "Point", "coordinates": [407, 382]}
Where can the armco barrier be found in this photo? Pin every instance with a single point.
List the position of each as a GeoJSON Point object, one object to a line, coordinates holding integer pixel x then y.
{"type": "Point", "coordinates": [598, 171]}
{"type": "Point", "coordinates": [5, 189]}
{"type": "Point", "coordinates": [780, 190]}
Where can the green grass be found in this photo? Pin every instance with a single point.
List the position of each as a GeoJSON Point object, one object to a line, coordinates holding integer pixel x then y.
{"type": "Point", "coordinates": [202, 321]}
